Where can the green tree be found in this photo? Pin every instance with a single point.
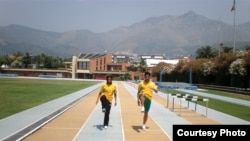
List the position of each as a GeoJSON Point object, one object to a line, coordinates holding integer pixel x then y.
{"type": "Point", "coordinates": [222, 64]}
{"type": "Point", "coordinates": [26, 60]}
{"type": "Point", "coordinates": [246, 59]}
{"type": "Point", "coordinates": [37, 59]}
{"type": "Point", "coordinates": [3, 60]}
{"type": "Point", "coordinates": [206, 52]}
{"type": "Point", "coordinates": [246, 48]}
{"type": "Point", "coordinates": [47, 62]}
{"type": "Point", "coordinates": [133, 68]}
{"type": "Point", "coordinates": [142, 66]}
{"type": "Point", "coordinates": [227, 49]}
{"type": "Point", "coordinates": [16, 59]}
{"type": "Point", "coordinates": [127, 76]}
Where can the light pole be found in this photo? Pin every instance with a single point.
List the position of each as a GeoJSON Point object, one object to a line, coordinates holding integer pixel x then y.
{"type": "Point", "coordinates": [190, 75]}
{"type": "Point", "coordinates": [161, 75]}
{"type": "Point", "coordinates": [161, 70]}
{"type": "Point", "coordinates": [219, 36]}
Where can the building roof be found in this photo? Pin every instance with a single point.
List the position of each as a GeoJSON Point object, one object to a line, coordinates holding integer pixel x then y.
{"type": "Point", "coordinates": [90, 55]}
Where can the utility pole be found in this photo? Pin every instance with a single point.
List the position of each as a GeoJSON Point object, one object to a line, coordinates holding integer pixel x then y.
{"type": "Point", "coordinates": [234, 10]}
{"type": "Point", "coordinates": [219, 36]}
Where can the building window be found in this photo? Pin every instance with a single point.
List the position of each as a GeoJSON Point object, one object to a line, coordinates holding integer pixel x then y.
{"type": "Point", "coordinates": [83, 66]}
{"type": "Point", "coordinates": [114, 68]}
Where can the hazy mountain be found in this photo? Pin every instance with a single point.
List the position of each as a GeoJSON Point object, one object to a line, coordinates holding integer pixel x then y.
{"type": "Point", "coordinates": [171, 35]}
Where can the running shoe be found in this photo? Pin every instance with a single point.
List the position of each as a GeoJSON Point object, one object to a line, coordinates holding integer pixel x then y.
{"type": "Point", "coordinates": [143, 127]}
{"type": "Point", "coordinates": [142, 109]}
{"type": "Point", "coordinates": [103, 110]}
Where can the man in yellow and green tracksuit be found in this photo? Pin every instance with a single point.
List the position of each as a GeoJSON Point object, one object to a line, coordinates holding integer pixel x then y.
{"type": "Point", "coordinates": [106, 93]}
{"type": "Point", "coordinates": [144, 94]}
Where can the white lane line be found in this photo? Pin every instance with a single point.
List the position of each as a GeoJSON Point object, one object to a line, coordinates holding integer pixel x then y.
{"type": "Point", "coordinates": [85, 123]}
{"type": "Point", "coordinates": [118, 99]}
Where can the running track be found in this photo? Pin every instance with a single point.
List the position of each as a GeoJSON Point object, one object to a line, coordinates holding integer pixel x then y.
{"type": "Point", "coordinates": [76, 117]}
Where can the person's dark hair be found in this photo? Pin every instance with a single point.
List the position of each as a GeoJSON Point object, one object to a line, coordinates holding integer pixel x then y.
{"type": "Point", "coordinates": [147, 73]}
{"type": "Point", "coordinates": [108, 76]}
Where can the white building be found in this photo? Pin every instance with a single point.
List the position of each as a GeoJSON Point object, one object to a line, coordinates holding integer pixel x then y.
{"type": "Point", "coordinates": [154, 62]}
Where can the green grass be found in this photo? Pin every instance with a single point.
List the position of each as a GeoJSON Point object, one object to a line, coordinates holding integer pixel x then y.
{"type": "Point", "coordinates": [17, 95]}
{"type": "Point", "coordinates": [242, 112]}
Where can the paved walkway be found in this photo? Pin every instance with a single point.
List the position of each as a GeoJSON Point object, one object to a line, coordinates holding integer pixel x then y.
{"type": "Point", "coordinates": [83, 120]}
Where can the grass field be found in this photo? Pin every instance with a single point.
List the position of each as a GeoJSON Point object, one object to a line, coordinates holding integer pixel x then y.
{"type": "Point", "coordinates": [242, 112]}
{"type": "Point", "coordinates": [17, 95]}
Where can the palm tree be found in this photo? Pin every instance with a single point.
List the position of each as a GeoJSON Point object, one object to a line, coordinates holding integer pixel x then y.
{"type": "Point", "coordinates": [227, 49]}
{"type": "Point", "coordinates": [15, 59]}
{"type": "Point", "coordinates": [206, 52]}
{"type": "Point", "coordinates": [27, 59]}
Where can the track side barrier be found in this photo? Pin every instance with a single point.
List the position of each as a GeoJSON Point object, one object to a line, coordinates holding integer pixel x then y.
{"type": "Point", "coordinates": [173, 98]}
{"type": "Point", "coordinates": [195, 100]}
{"type": "Point", "coordinates": [188, 98]}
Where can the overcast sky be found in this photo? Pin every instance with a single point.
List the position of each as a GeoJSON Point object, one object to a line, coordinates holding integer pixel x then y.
{"type": "Point", "coordinates": [104, 15]}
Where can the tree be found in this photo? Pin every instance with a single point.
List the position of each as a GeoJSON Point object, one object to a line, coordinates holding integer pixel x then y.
{"type": "Point", "coordinates": [158, 70]}
{"type": "Point", "coordinates": [47, 61]}
{"type": "Point", "coordinates": [206, 52]}
{"type": "Point", "coordinates": [142, 66]}
{"type": "Point", "coordinates": [27, 58]}
{"type": "Point", "coordinates": [15, 59]}
{"type": "Point", "coordinates": [237, 67]}
{"type": "Point", "coordinates": [222, 65]}
{"type": "Point", "coordinates": [227, 49]}
{"type": "Point", "coordinates": [208, 68]}
{"type": "Point", "coordinates": [127, 76]}
{"type": "Point", "coordinates": [5, 60]}
{"type": "Point", "coordinates": [246, 59]}
{"type": "Point", "coordinates": [133, 68]}
{"type": "Point", "coordinates": [246, 48]}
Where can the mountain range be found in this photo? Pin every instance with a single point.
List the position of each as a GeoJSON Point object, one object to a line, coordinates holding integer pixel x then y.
{"type": "Point", "coordinates": [170, 35]}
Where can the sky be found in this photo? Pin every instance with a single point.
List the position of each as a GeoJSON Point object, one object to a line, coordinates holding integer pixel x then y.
{"type": "Point", "coordinates": [105, 15]}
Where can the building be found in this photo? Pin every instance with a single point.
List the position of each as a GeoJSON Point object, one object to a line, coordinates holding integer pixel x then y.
{"type": "Point", "coordinates": [98, 66]}
{"type": "Point", "coordinates": [153, 62]}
